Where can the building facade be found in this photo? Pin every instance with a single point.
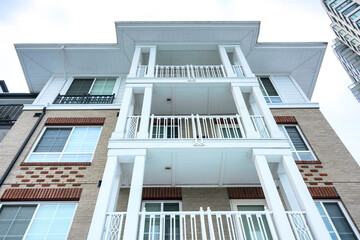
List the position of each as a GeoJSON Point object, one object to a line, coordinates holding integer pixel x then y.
{"type": "Point", "coordinates": [345, 17]}
{"type": "Point", "coordinates": [180, 130]}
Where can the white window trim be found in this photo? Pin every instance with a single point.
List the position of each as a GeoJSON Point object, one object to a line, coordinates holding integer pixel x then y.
{"type": "Point", "coordinates": [346, 215]}
{"type": "Point", "coordinates": [235, 202]}
{"type": "Point", "coordinates": [303, 138]}
{"type": "Point", "coordinates": [94, 77]}
{"type": "Point", "coordinates": [274, 85]}
{"type": "Point", "coordinates": [37, 208]}
{"type": "Point", "coordinates": [66, 143]}
{"type": "Point", "coordinates": [162, 203]}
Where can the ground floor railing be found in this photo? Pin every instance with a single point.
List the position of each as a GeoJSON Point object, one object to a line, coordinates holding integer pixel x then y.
{"type": "Point", "coordinates": [195, 127]}
{"type": "Point", "coordinates": [195, 225]}
{"type": "Point", "coordinates": [299, 225]}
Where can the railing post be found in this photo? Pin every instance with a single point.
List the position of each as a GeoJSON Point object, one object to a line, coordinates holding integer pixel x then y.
{"type": "Point", "coordinates": [223, 70]}
{"type": "Point", "coordinates": [270, 224]}
{"type": "Point", "coordinates": [202, 222]}
{"type": "Point", "coordinates": [192, 72]}
{"type": "Point", "coordinates": [151, 125]}
{"type": "Point", "coordinates": [240, 126]}
{"type": "Point", "coordinates": [142, 224]}
{"type": "Point", "coordinates": [199, 128]}
{"type": "Point", "coordinates": [156, 70]}
{"type": "Point", "coordinates": [211, 227]}
{"type": "Point", "coordinates": [194, 129]}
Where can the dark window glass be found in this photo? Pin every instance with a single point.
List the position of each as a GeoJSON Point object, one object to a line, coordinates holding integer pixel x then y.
{"type": "Point", "coordinates": [296, 138]}
{"type": "Point", "coordinates": [343, 5]}
{"type": "Point", "coordinates": [350, 9]}
{"type": "Point", "coordinates": [53, 140]}
{"type": "Point", "coordinates": [268, 86]}
{"type": "Point", "coordinates": [80, 87]}
{"type": "Point", "coordinates": [14, 220]}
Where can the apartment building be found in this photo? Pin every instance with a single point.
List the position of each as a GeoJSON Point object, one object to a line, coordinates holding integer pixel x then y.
{"type": "Point", "coordinates": [179, 130]}
{"type": "Point", "coordinates": [345, 22]}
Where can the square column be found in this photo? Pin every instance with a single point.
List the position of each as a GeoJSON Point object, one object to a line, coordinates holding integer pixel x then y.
{"type": "Point", "coordinates": [286, 190]}
{"type": "Point", "coordinates": [243, 112]}
{"type": "Point", "coordinates": [244, 64]}
{"type": "Point", "coordinates": [135, 197]}
{"type": "Point", "coordinates": [272, 198]}
{"type": "Point", "coordinates": [126, 106]}
{"type": "Point", "coordinates": [135, 62]}
{"type": "Point", "coordinates": [107, 197]}
{"type": "Point", "coordinates": [265, 111]}
{"type": "Point", "coordinates": [226, 62]}
{"type": "Point", "coordinates": [313, 218]}
{"type": "Point", "coordinates": [145, 113]}
{"type": "Point", "coordinates": [152, 61]}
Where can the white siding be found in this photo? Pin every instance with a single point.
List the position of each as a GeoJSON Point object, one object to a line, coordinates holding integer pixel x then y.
{"type": "Point", "coordinates": [287, 90]}
{"type": "Point", "coordinates": [120, 92]}
{"type": "Point", "coordinates": [50, 92]}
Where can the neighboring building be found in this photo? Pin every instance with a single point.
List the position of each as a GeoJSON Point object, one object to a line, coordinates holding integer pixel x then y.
{"type": "Point", "coordinates": [11, 105]}
{"type": "Point", "coordinates": [345, 17]}
{"type": "Point", "coordinates": [180, 130]}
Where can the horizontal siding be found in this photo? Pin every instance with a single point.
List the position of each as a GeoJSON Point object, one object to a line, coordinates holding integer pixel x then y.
{"type": "Point", "coordinates": [120, 93]}
{"type": "Point", "coordinates": [287, 89]}
{"type": "Point", "coordinates": [52, 91]}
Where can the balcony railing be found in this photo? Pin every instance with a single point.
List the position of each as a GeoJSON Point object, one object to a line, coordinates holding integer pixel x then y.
{"type": "Point", "coordinates": [84, 99]}
{"type": "Point", "coordinates": [195, 225]}
{"type": "Point", "coordinates": [355, 89]}
{"type": "Point", "coordinates": [195, 127]}
{"type": "Point", "coordinates": [299, 226]}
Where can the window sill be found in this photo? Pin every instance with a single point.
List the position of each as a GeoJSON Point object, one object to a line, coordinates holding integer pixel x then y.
{"type": "Point", "coordinates": [55, 164]}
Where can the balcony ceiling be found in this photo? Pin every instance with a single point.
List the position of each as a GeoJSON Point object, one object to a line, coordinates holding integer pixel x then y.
{"type": "Point", "coordinates": [41, 61]}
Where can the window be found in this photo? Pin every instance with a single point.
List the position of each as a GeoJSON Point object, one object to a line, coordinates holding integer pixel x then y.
{"type": "Point", "coordinates": [92, 86]}
{"type": "Point", "coordinates": [355, 15]}
{"type": "Point", "coordinates": [268, 90]}
{"type": "Point", "coordinates": [343, 5]}
{"type": "Point", "coordinates": [337, 220]}
{"type": "Point", "coordinates": [66, 144]}
{"type": "Point", "coordinates": [350, 9]}
{"type": "Point", "coordinates": [36, 221]}
{"type": "Point", "coordinates": [335, 3]}
{"type": "Point", "coordinates": [153, 226]}
{"type": "Point", "coordinates": [254, 227]}
{"type": "Point", "coordinates": [299, 147]}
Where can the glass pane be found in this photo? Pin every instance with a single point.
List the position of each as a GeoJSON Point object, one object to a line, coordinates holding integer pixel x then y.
{"type": "Point", "coordinates": [296, 138]}
{"type": "Point", "coordinates": [14, 220]}
{"type": "Point", "coordinates": [18, 227]}
{"type": "Point", "coordinates": [39, 227]}
{"type": "Point", "coordinates": [65, 211]}
{"type": "Point", "coordinates": [80, 87]}
{"type": "Point", "coordinates": [275, 99]}
{"type": "Point", "coordinates": [53, 140]}
{"type": "Point", "coordinates": [4, 226]}
{"type": "Point", "coordinates": [76, 158]}
{"type": "Point", "coordinates": [171, 207]}
{"type": "Point", "coordinates": [153, 207]}
{"type": "Point", "coordinates": [44, 158]}
{"type": "Point", "coordinates": [250, 208]}
{"type": "Point", "coordinates": [8, 212]}
{"type": "Point", "coordinates": [59, 226]}
{"type": "Point", "coordinates": [271, 91]}
{"type": "Point", "coordinates": [46, 211]}
{"type": "Point", "coordinates": [306, 156]}
{"type": "Point", "coordinates": [103, 86]}
{"type": "Point", "coordinates": [340, 222]}
{"type": "Point", "coordinates": [83, 139]}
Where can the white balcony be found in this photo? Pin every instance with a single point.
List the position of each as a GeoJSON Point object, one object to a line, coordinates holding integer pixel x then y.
{"type": "Point", "coordinates": [196, 127]}
{"type": "Point", "coordinates": [202, 224]}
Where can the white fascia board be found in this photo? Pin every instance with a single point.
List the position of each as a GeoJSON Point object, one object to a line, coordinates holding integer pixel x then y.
{"type": "Point", "coordinates": [189, 144]}
{"type": "Point", "coordinates": [73, 107]}
{"type": "Point", "coordinates": [239, 81]}
{"type": "Point", "coordinates": [293, 105]}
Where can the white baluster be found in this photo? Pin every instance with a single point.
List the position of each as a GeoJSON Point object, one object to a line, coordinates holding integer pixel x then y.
{"type": "Point", "coordinates": [211, 227]}
{"type": "Point", "coordinates": [202, 222]}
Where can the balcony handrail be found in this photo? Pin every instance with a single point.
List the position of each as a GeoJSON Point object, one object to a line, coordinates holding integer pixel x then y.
{"type": "Point", "coordinates": [84, 99]}
{"type": "Point", "coordinates": [187, 71]}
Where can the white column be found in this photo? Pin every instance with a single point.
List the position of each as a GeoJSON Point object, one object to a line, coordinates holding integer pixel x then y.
{"type": "Point", "coordinates": [152, 62]}
{"type": "Point", "coordinates": [226, 62]}
{"type": "Point", "coordinates": [265, 111]}
{"type": "Point", "coordinates": [135, 62]}
{"type": "Point", "coordinates": [305, 200]}
{"type": "Point", "coordinates": [107, 197]}
{"type": "Point", "coordinates": [244, 64]}
{"type": "Point", "coordinates": [133, 208]}
{"type": "Point", "coordinates": [126, 105]}
{"type": "Point", "coordinates": [272, 198]}
{"type": "Point", "coordinates": [145, 114]}
{"type": "Point", "coordinates": [286, 190]}
{"type": "Point", "coordinates": [244, 113]}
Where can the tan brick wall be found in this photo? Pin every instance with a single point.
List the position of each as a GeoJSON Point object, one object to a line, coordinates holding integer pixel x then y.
{"type": "Point", "coordinates": [85, 177]}
{"type": "Point", "coordinates": [336, 161]}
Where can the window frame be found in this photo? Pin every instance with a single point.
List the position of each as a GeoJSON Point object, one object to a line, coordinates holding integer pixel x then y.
{"type": "Point", "coordinates": [70, 82]}
{"type": "Point", "coordinates": [344, 212]}
{"type": "Point", "coordinates": [37, 208]}
{"type": "Point", "coordinates": [303, 138]}
{"type": "Point", "coordinates": [65, 145]}
{"type": "Point", "coordinates": [262, 87]}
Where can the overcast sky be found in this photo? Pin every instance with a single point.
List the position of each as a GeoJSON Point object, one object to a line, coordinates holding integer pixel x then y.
{"type": "Point", "coordinates": [92, 21]}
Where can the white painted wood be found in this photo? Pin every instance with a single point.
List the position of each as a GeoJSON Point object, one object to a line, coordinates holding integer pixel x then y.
{"type": "Point", "coordinates": [226, 62]}
{"type": "Point", "coordinates": [152, 62]}
{"type": "Point", "coordinates": [305, 200]}
{"type": "Point", "coordinates": [244, 113]}
{"type": "Point", "coordinates": [135, 62]}
{"type": "Point", "coordinates": [268, 117]}
{"type": "Point", "coordinates": [145, 114]}
{"type": "Point", "coordinates": [105, 201]}
{"type": "Point", "coordinates": [272, 197]}
{"type": "Point", "coordinates": [49, 94]}
{"type": "Point", "coordinates": [286, 190]}
{"type": "Point", "coordinates": [134, 204]}
{"type": "Point", "coordinates": [119, 91]}
{"type": "Point", "coordinates": [243, 62]}
{"type": "Point", "coordinates": [126, 106]}
{"type": "Point", "coordinates": [287, 90]}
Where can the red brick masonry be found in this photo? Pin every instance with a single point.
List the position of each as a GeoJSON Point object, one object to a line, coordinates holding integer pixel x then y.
{"type": "Point", "coordinates": [75, 121]}
{"type": "Point", "coordinates": [42, 194]}
{"type": "Point", "coordinates": [162, 194]}
{"type": "Point", "coordinates": [285, 120]}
